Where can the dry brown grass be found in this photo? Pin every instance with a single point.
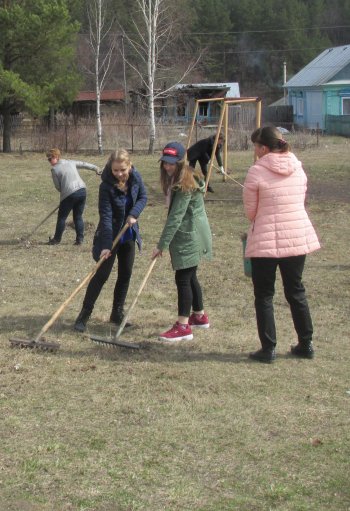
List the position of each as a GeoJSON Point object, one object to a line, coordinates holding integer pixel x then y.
{"type": "Point", "coordinates": [194, 426]}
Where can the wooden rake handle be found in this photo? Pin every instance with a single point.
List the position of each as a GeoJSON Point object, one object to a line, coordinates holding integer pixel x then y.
{"type": "Point", "coordinates": [81, 285]}
{"type": "Point", "coordinates": [42, 222]}
{"type": "Point", "coordinates": [142, 285]}
{"type": "Point", "coordinates": [230, 177]}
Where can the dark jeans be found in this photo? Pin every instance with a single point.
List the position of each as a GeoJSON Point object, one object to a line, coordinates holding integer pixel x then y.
{"type": "Point", "coordinates": [76, 202]}
{"type": "Point", "coordinates": [264, 277]}
{"type": "Point", "coordinates": [189, 292]}
{"type": "Point", "coordinates": [203, 164]}
{"type": "Point", "coordinates": [126, 256]}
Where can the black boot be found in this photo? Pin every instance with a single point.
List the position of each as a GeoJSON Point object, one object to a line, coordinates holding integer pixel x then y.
{"type": "Point", "coordinates": [117, 316]}
{"type": "Point", "coordinates": [303, 350]}
{"type": "Point", "coordinates": [265, 355]}
{"type": "Point", "coordinates": [82, 319]}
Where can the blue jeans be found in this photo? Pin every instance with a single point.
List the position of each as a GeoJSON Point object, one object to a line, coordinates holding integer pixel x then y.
{"type": "Point", "coordinates": [76, 202]}
{"type": "Point", "coordinates": [264, 277]}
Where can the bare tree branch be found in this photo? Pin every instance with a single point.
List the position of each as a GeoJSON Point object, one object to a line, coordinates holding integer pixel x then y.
{"type": "Point", "coordinates": [154, 25]}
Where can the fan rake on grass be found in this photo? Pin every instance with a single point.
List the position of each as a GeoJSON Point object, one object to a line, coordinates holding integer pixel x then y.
{"type": "Point", "coordinates": [39, 341]}
{"type": "Point", "coordinates": [114, 341]}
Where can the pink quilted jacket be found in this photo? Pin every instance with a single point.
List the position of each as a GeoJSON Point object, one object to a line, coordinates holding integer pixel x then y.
{"type": "Point", "coordinates": [274, 201]}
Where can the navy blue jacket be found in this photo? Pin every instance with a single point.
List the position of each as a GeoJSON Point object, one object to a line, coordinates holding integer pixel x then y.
{"type": "Point", "coordinates": [111, 205]}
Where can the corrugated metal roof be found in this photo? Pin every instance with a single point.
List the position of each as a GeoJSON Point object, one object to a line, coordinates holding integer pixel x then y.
{"type": "Point", "coordinates": [322, 69]}
{"type": "Point", "coordinates": [231, 87]}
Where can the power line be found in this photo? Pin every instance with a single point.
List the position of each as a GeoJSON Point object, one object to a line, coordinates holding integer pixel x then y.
{"type": "Point", "coordinates": [248, 31]}
{"type": "Point", "coordinates": [268, 31]}
{"type": "Point", "coordinates": [239, 52]}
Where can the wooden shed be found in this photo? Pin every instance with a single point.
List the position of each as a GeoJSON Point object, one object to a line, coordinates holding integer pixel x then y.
{"type": "Point", "coordinates": [178, 104]}
{"type": "Point", "coordinates": [111, 101]}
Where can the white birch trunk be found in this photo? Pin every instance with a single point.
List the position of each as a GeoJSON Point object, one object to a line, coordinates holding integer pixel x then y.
{"type": "Point", "coordinates": [151, 65]}
{"type": "Point", "coordinates": [97, 81]}
{"type": "Point", "coordinates": [100, 29]}
{"type": "Point", "coordinates": [153, 35]}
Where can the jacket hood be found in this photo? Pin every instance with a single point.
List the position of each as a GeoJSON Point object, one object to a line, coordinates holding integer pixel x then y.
{"type": "Point", "coordinates": [108, 177]}
{"type": "Point", "coordinates": [280, 163]}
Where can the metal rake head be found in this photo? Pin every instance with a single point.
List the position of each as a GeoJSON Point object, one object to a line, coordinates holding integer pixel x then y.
{"type": "Point", "coordinates": [113, 342]}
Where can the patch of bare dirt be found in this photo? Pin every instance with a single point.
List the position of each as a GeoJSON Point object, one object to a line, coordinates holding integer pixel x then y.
{"type": "Point", "coordinates": [330, 191]}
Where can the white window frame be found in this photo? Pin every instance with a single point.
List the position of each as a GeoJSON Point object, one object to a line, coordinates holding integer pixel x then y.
{"type": "Point", "coordinates": [203, 110]}
{"type": "Point", "coordinates": [300, 107]}
{"type": "Point", "coordinates": [347, 100]}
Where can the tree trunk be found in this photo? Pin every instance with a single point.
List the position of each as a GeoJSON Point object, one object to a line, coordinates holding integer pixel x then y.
{"type": "Point", "coordinates": [6, 138]}
{"type": "Point", "coordinates": [98, 120]}
{"type": "Point", "coordinates": [151, 67]}
{"type": "Point", "coordinates": [52, 120]}
{"type": "Point", "coordinates": [152, 125]}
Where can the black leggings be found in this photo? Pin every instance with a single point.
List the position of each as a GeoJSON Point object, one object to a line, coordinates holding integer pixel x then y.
{"type": "Point", "coordinates": [189, 292]}
{"type": "Point", "coordinates": [126, 256]}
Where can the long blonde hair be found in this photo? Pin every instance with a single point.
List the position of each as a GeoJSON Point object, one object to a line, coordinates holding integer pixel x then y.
{"type": "Point", "coordinates": [121, 155]}
{"type": "Point", "coordinates": [183, 178]}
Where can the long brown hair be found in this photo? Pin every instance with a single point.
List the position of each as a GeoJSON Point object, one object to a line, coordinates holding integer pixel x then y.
{"type": "Point", "coordinates": [270, 137]}
{"type": "Point", "coordinates": [183, 178]}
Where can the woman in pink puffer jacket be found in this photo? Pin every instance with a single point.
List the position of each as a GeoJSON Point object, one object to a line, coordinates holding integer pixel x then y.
{"type": "Point", "coordinates": [280, 235]}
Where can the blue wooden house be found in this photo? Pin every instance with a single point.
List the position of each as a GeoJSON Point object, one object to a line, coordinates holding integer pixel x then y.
{"type": "Point", "coordinates": [320, 92]}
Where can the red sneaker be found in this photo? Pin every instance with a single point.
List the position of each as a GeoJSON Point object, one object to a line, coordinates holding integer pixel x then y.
{"type": "Point", "coordinates": [178, 332]}
{"type": "Point", "coordinates": [199, 320]}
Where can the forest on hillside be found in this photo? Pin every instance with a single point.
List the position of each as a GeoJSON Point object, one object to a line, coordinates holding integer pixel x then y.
{"type": "Point", "coordinates": [52, 49]}
{"type": "Point", "coordinates": [245, 41]}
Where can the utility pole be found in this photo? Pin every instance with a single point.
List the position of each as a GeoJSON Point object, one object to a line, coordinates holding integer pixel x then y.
{"type": "Point", "coordinates": [285, 81]}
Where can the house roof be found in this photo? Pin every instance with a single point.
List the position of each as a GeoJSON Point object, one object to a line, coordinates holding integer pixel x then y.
{"type": "Point", "coordinates": [232, 88]}
{"type": "Point", "coordinates": [322, 69]}
{"type": "Point", "coordinates": [280, 102]}
{"type": "Point", "coordinates": [106, 95]}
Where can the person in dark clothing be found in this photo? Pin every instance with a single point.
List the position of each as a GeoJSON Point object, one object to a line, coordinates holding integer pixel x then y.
{"type": "Point", "coordinates": [122, 198]}
{"type": "Point", "coordinates": [202, 150]}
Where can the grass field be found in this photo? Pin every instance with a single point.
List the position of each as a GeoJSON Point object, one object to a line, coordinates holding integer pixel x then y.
{"type": "Point", "coordinates": [192, 426]}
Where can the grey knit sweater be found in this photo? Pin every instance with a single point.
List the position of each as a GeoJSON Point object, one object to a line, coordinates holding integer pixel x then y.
{"type": "Point", "coordinates": [66, 177]}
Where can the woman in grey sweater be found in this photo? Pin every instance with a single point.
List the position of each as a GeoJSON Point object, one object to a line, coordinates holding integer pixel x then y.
{"type": "Point", "coordinates": [72, 190]}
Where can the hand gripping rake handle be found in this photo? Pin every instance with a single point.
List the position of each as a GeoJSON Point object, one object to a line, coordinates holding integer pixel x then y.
{"type": "Point", "coordinates": [142, 285]}
{"type": "Point", "coordinates": [81, 285]}
{"type": "Point", "coordinates": [43, 221]}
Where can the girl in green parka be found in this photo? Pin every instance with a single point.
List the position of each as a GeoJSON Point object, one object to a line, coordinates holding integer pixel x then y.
{"type": "Point", "coordinates": [187, 235]}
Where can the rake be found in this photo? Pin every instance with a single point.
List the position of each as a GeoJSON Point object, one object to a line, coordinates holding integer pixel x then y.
{"type": "Point", "coordinates": [42, 222]}
{"type": "Point", "coordinates": [28, 236]}
{"type": "Point", "coordinates": [115, 340]}
{"type": "Point", "coordinates": [226, 174]}
{"type": "Point", "coordinates": [39, 341]}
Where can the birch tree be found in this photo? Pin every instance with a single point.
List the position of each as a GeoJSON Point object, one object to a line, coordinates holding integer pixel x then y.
{"type": "Point", "coordinates": [156, 29]}
{"type": "Point", "coordinates": [102, 43]}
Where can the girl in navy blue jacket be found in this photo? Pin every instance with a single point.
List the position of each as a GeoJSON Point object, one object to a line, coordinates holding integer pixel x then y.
{"type": "Point", "coordinates": [122, 198]}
